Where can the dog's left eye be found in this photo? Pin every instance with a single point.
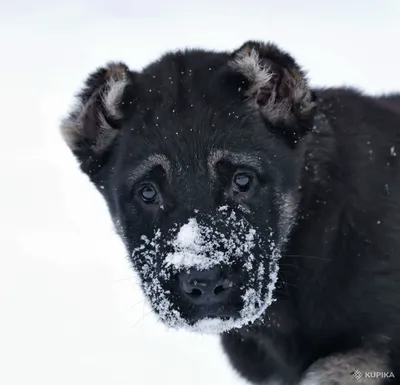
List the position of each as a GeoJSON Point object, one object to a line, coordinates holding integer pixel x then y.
{"type": "Point", "coordinates": [148, 193]}
{"type": "Point", "coordinates": [242, 182]}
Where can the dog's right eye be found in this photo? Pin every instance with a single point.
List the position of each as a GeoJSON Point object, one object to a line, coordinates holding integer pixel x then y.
{"type": "Point", "coordinates": [242, 182]}
{"type": "Point", "coordinates": [148, 193]}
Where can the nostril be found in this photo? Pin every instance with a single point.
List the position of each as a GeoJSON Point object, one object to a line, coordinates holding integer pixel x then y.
{"type": "Point", "coordinates": [219, 289]}
{"type": "Point", "coordinates": [224, 286]}
{"type": "Point", "coordinates": [190, 287]}
{"type": "Point", "coordinates": [205, 287]}
{"type": "Point", "coordinates": [196, 293]}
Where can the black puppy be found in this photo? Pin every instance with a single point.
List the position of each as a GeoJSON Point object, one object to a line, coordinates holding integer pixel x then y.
{"type": "Point", "coordinates": [254, 207]}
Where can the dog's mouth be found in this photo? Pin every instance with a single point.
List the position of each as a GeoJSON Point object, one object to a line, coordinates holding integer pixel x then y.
{"type": "Point", "coordinates": [246, 304]}
{"type": "Point", "coordinates": [204, 313]}
{"type": "Point", "coordinates": [216, 320]}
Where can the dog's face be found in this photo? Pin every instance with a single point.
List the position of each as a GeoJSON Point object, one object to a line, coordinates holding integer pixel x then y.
{"type": "Point", "coordinates": [199, 160]}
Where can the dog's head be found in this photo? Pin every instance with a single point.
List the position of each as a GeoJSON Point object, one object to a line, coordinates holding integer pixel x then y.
{"type": "Point", "coordinates": [198, 157]}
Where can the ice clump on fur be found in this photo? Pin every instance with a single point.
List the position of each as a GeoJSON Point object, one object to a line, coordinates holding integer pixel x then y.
{"type": "Point", "coordinates": [189, 246]}
{"type": "Point", "coordinates": [195, 246]}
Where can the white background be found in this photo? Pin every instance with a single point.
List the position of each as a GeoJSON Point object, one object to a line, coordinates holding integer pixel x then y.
{"type": "Point", "coordinates": [70, 308]}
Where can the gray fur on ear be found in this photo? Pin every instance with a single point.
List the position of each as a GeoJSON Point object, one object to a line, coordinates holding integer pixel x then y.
{"type": "Point", "coordinates": [93, 122]}
{"type": "Point", "coordinates": [278, 88]}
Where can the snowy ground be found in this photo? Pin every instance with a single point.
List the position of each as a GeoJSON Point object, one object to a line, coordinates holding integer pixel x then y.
{"type": "Point", "coordinates": [70, 309]}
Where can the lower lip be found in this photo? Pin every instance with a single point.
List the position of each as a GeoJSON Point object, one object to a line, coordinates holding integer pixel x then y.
{"type": "Point", "coordinates": [201, 314]}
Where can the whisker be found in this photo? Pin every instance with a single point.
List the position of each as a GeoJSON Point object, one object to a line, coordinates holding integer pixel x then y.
{"type": "Point", "coordinates": [281, 292]}
{"type": "Point", "coordinates": [291, 284]}
{"type": "Point", "coordinates": [166, 328]}
{"type": "Point", "coordinates": [123, 279]}
{"type": "Point", "coordinates": [288, 265]}
{"type": "Point", "coordinates": [145, 306]}
{"type": "Point", "coordinates": [305, 256]}
{"type": "Point", "coordinates": [151, 311]}
{"type": "Point", "coordinates": [138, 302]}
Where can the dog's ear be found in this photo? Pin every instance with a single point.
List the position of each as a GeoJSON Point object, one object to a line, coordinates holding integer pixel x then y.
{"type": "Point", "coordinates": [276, 86]}
{"type": "Point", "coordinates": [92, 126]}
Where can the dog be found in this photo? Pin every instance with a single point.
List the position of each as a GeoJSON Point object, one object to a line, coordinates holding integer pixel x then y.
{"type": "Point", "coordinates": [254, 207]}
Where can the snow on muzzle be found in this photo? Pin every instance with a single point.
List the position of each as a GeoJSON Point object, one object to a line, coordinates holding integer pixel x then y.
{"type": "Point", "coordinates": [202, 243]}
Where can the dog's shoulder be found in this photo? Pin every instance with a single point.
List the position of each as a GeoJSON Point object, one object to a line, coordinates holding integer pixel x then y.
{"type": "Point", "coordinates": [351, 219]}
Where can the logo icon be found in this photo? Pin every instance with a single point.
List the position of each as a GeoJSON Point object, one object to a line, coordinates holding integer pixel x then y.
{"type": "Point", "coordinates": [357, 375]}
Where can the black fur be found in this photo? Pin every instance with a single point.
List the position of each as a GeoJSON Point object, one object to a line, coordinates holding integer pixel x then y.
{"type": "Point", "coordinates": [334, 151]}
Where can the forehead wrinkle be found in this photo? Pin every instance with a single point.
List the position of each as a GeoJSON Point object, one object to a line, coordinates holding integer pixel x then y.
{"type": "Point", "coordinates": [148, 164]}
{"type": "Point", "coordinates": [243, 158]}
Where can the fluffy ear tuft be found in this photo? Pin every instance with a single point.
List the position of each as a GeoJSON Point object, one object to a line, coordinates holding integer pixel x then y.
{"type": "Point", "coordinates": [278, 88]}
{"type": "Point", "coordinates": [93, 123]}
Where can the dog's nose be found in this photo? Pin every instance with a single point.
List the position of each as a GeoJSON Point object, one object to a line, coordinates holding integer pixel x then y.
{"type": "Point", "coordinates": [205, 287]}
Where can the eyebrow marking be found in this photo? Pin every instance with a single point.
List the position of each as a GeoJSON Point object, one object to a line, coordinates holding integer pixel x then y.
{"type": "Point", "coordinates": [148, 164]}
{"type": "Point", "coordinates": [244, 158]}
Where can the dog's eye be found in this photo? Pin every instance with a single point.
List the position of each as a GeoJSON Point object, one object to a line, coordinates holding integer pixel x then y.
{"type": "Point", "coordinates": [148, 193]}
{"type": "Point", "coordinates": [242, 181]}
